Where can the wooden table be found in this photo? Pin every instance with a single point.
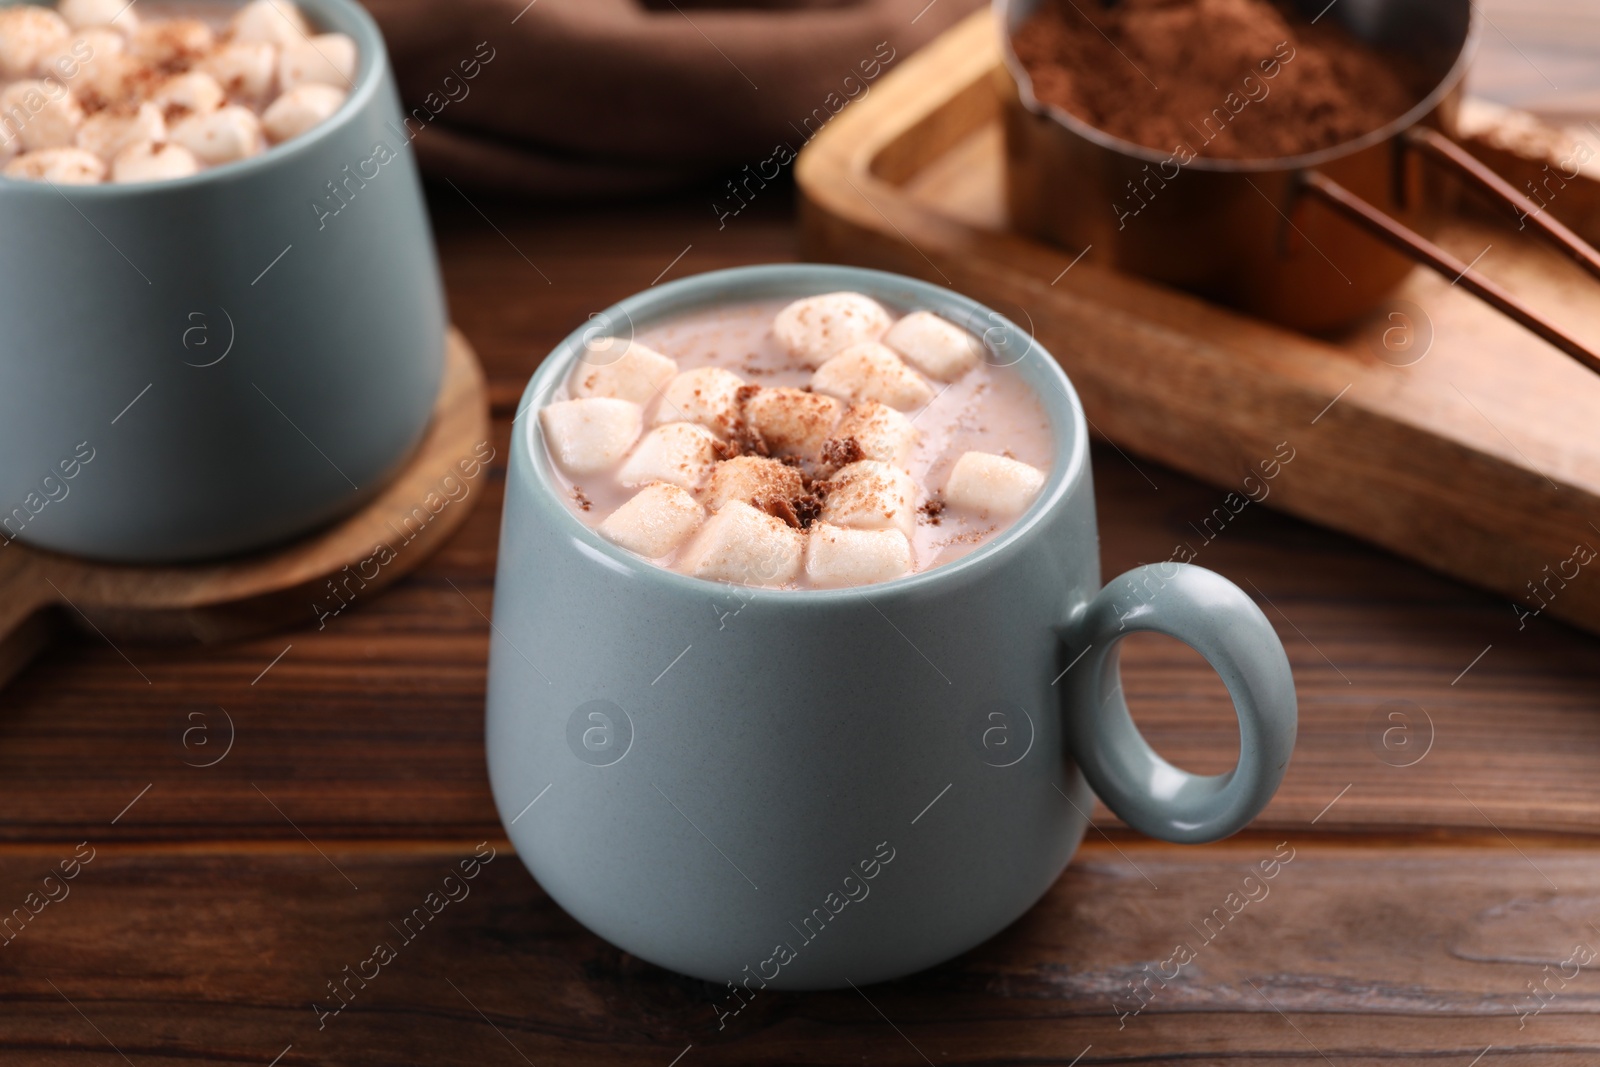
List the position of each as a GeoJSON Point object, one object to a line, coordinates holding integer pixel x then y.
{"type": "Point", "coordinates": [259, 814]}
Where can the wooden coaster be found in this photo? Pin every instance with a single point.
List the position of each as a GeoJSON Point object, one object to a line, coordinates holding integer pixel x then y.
{"type": "Point", "coordinates": [1470, 448]}
{"type": "Point", "coordinates": [295, 584]}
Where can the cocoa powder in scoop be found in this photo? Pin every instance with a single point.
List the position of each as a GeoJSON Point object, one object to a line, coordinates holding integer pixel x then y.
{"type": "Point", "coordinates": [1228, 79]}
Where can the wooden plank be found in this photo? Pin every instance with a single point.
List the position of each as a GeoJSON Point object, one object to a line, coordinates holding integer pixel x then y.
{"type": "Point", "coordinates": [1476, 460]}
{"type": "Point", "coordinates": [1356, 952]}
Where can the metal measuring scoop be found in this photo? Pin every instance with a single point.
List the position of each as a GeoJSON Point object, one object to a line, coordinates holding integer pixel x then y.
{"type": "Point", "coordinates": [1242, 231]}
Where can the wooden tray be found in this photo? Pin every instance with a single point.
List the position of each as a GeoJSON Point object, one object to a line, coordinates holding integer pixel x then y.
{"type": "Point", "coordinates": [234, 598]}
{"type": "Point", "coordinates": [1479, 459]}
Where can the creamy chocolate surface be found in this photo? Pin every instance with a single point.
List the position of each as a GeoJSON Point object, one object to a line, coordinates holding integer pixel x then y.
{"type": "Point", "coordinates": [803, 469]}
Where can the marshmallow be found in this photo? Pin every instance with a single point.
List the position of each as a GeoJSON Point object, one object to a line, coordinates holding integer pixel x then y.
{"type": "Point", "coordinates": [765, 483]}
{"type": "Point", "coordinates": [98, 41]}
{"type": "Point", "coordinates": [879, 432]}
{"type": "Point", "coordinates": [108, 78]}
{"type": "Point", "coordinates": [81, 14]}
{"type": "Point", "coordinates": [707, 395]}
{"type": "Point", "coordinates": [192, 93]}
{"type": "Point", "coordinates": [148, 161]}
{"type": "Point", "coordinates": [276, 22]}
{"type": "Point", "coordinates": [625, 369]}
{"type": "Point", "coordinates": [222, 136]}
{"type": "Point", "coordinates": [64, 64]}
{"type": "Point", "coordinates": [838, 556]}
{"type": "Point", "coordinates": [171, 43]}
{"type": "Point", "coordinates": [301, 108]}
{"type": "Point", "coordinates": [870, 495]}
{"type": "Point", "coordinates": [62, 166]}
{"type": "Point", "coordinates": [656, 520]}
{"type": "Point", "coordinates": [105, 133]}
{"type": "Point", "coordinates": [679, 453]}
{"type": "Point", "coordinates": [994, 485]}
{"type": "Point", "coordinates": [327, 58]}
{"type": "Point", "coordinates": [870, 371]}
{"type": "Point", "coordinates": [792, 422]}
{"type": "Point", "coordinates": [43, 114]}
{"type": "Point", "coordinates": [244, 69]}
{"type": "Point", "coordinates": [813, 329]}
{"type": "Point", "coordinates": [591, 434]}
{"type": "Point", "coordinates": [741, 544]}
{"type": "Point", "coordinates": [937, 348]}
{"type": "Point", "coordinates": [27, 34]}
{"type": "Point", "coordinates": [120, 84]}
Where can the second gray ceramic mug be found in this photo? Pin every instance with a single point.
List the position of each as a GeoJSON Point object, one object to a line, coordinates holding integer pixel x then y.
{"type": "Point", "coordinates": [208, 365]}
{"type": "Point", "coordinates": [799, 789]}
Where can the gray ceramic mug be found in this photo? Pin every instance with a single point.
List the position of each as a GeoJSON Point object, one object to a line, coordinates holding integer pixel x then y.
{"type": "Point", "coordinates": [198, 367]}
{"type": "Point", "coordinates": [800, 789]}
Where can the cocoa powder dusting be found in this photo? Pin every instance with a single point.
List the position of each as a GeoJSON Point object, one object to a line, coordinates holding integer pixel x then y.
{"type": "Point", "coordinates": [799, 510]}
{"type": "Point", "coordinates": [747, 440]}
{"type": "Point", "coordinates": [743, 437]}
{"type": "Point", "coordinates": [971, 537]}
{"type": "Point", "coordinates": [808, 504]}
{"type": "Point", "coordinates": [779, 508]}
{"type": "Point", "coordinates": [841, 452]}
{"type": "Point", "coordinates": [807, 510]}
{"type": "Point", "coordinates": [1239, 79]}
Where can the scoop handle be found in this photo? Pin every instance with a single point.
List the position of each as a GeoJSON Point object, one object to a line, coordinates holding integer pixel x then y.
{"type": "Point", "coordinates": [1410, 243]}
{"type": "Point", "coordinates": [1442, 150]}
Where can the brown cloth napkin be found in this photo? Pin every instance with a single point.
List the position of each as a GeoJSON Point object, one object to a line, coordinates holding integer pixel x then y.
{"type": "Point", "coordinates": [595, 98]}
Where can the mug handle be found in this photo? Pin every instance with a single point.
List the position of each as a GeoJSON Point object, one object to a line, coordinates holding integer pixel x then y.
{"type": "Point", "coordinates": [1214, 617]}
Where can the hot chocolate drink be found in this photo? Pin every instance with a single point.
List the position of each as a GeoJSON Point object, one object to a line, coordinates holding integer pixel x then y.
{"type": "Point", "coordinates": [103, 90]}
{"type": "Point", "coordinates": [817, 443]}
